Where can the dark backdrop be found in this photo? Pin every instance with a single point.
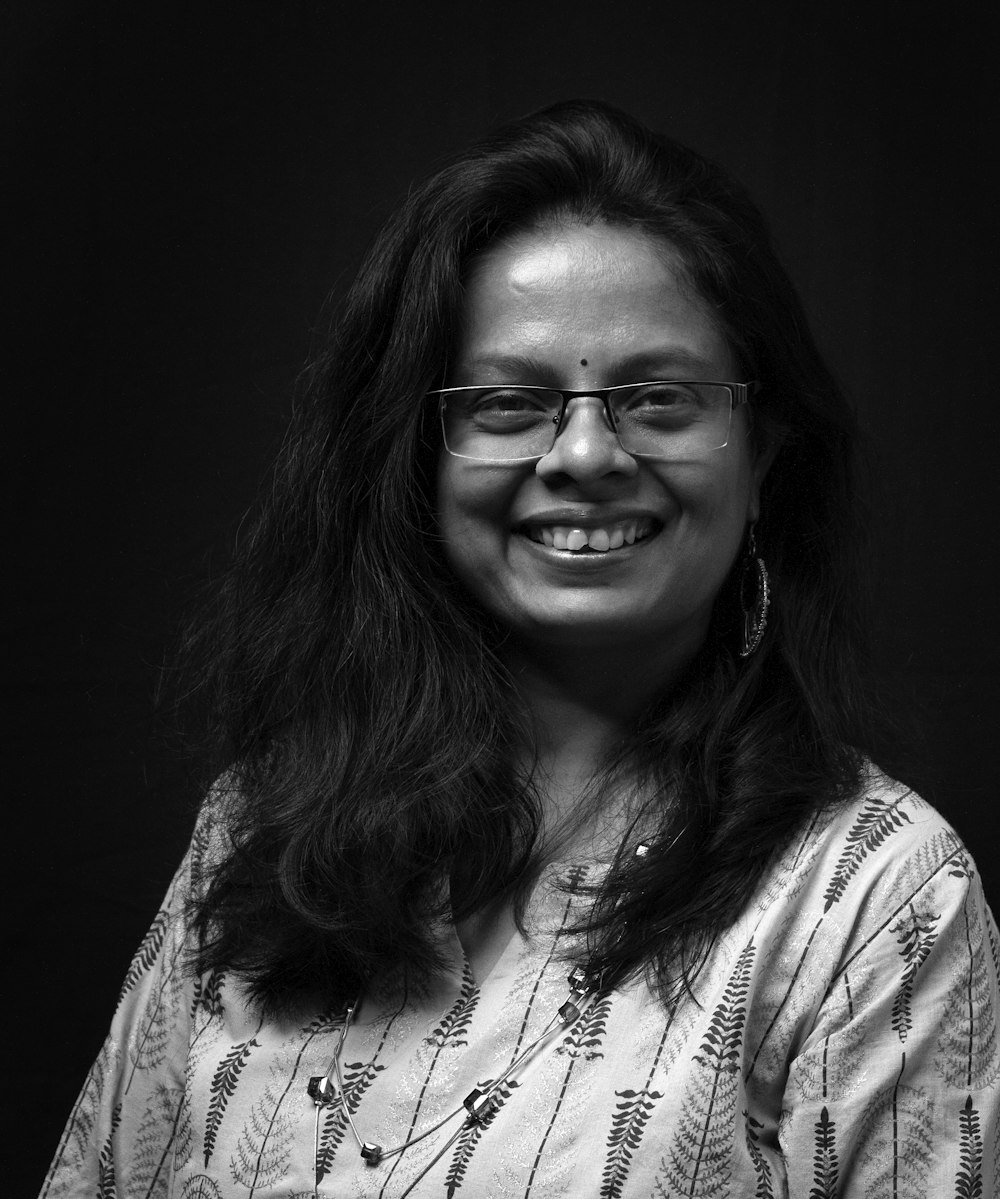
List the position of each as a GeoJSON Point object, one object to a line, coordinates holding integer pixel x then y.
{"type": "Point", "coordinates": [190, 179]}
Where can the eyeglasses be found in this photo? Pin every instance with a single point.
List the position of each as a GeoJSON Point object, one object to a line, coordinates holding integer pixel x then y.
{"type": "Point", "coordinates": [665, 419]}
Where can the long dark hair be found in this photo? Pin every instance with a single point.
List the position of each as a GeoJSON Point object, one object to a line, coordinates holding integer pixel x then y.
{"type": "Point", "coordinates": [358, 693]}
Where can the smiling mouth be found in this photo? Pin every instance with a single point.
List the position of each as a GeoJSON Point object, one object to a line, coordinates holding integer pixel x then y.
{"type": "Point", "coordinates": [602, 539]}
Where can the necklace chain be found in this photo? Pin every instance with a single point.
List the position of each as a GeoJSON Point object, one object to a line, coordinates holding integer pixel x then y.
{"type": "Point", "coordinates": [478, 1104]}
{"type": "Point", "coordinates": [584, 986]}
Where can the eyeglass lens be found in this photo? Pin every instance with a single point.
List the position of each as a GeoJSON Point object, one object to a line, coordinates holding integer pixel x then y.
{"type": "Point", "coordinates": [661, 420]}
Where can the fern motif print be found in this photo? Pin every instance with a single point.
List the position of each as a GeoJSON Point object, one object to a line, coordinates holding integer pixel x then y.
{"type": "Point", "coordinates": [841, 1043]}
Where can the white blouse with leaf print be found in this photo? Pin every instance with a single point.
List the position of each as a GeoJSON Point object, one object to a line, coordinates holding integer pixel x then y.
{"type": "Point", "coordinates": [845, 1045]}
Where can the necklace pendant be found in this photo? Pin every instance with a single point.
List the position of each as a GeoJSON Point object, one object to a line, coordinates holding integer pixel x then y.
{"type": "Point", "coordinates": [479, 1105]}
{"type": "Point", "coordinates": [371, 1153]}
{"type": "Point", "coordinates": [569, 1013]}
{"type": "Point", "coordinates": [321, 1091]}
{"type": "Point", "coordinates": [578, 979]}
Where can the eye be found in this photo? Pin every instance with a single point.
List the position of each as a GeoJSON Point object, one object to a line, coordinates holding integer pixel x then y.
{"type": "Point", "coordinates": [502, 409]}
{"type": "Point", "coordinates": [506, 400]}
{"type": "Point", "coordinates": [665, 406]}
{"type": "Point", "coordinates": [661, 395]}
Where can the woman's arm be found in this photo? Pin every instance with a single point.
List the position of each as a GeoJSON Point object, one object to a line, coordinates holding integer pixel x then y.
{"type": "Point", "coordinates": [897, 1091]}
{"type": "Point", "coordinates": [120, 1134]}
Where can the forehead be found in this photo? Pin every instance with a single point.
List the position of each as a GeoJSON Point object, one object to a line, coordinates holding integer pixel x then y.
{"type": "Point", "coordinates": [594, 292]}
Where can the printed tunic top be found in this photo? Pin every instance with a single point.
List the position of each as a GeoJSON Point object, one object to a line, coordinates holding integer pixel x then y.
{"type": "Point", "coordinates": [845, 1045]}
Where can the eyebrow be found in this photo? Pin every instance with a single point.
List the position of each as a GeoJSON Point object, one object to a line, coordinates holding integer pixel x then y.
{"type": "Point", "coordinates": [513, 365]}
{"type": "Point", "coordinates": [657, 363]}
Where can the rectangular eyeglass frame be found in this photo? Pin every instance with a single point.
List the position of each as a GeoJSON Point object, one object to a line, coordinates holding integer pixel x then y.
{"type": "Point", "coordinates": [739, 393]}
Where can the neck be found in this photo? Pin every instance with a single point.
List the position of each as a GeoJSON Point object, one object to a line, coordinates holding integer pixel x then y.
{"type": "Point", "coordinates": [581, 705]}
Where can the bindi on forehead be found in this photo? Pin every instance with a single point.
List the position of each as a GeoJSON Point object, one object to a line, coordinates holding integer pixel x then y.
{"type": "Point", "coordinates": [583, 361]}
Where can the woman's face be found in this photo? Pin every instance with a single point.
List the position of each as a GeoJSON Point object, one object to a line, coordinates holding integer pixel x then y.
{"type": "Point", "coordinates": [576, 306]}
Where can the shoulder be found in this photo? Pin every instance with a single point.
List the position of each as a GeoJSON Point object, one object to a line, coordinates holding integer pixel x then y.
{"type": "Point", "coordinates": [210, 845]}
{"type": "Point", "coordinates": [888, 839]}
{"type": "Point", "coordinates": [859, 865]}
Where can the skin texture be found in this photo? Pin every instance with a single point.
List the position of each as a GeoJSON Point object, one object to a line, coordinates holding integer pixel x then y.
{"type": "Point", "coordinates": [593, 636]}
{"type": "Point", "coordinates": [581, 306]}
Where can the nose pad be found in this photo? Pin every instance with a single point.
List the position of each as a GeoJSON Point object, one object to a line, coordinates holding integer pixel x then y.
{"type": "Point", "coordinates": [586, 444]}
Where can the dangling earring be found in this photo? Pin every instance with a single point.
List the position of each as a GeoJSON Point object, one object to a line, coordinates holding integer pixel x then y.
{"type": "Point", "coordinates": [753, 582]}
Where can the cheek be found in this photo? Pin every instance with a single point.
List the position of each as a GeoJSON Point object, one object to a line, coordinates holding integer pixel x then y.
{"type": "Point", "coordinates": [473, 515]}
{"type": "Point", "coordinates": [712, 500]}
{"type": "Point", "coordinates": [714, 512]}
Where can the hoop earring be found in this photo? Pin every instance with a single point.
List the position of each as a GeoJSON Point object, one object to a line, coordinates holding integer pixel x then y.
{"type": "Point", "coordinates": [753, 573]}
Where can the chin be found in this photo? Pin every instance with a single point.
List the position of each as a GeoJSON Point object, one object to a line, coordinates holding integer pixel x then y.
{"type": "Point", "coordinates": [596, 633]}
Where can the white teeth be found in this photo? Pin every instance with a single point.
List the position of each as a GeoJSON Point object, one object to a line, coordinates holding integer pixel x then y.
{"type": "Point", "coordinates": [600, 540]}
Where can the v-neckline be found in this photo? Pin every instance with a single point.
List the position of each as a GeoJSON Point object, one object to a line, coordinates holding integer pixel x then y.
{"type": "Point", "coordinates": [507, 940]}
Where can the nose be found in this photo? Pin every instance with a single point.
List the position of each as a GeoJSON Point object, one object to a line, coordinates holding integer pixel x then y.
{"type": "Point", "coordinates": [586, 447]}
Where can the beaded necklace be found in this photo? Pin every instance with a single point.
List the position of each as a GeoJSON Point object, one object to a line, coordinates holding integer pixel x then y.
{"type": "Point", "coordinates": [478, 1105]}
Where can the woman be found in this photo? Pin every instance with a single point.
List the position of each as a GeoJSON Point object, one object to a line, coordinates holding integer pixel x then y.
{"type": "Point", "coordinates": [549, 859]}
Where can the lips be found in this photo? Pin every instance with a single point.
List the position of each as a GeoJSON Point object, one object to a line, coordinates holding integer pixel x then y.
{"type": "Point", "coordinates": [594, 538]}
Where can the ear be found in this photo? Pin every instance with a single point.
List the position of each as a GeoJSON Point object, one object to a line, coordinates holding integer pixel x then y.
{"type": "Point", "coordinates": [763, 459]}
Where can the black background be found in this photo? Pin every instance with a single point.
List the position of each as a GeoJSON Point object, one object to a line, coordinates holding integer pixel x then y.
{"type": "Point", "coordinates": [189, 180]}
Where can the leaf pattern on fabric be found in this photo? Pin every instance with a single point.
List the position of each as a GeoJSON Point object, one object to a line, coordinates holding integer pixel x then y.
{"type": "Point", "coordinates": [959, 866]}
{"type": "Point", "coordinates": [831, 1068]}
{"type": "Point", "coordinates": [915, 933]}
{"type": "Point", "coordinates": [326, 1023]}
{"type": "Point", "coordinates": [468, 1142]}
{"type": "Point", "coordinates": [201, 841]}
{"type": "Point", "coordinates": [152, 1143]}
{"type": "Point", "coordinates": [148, 1045]}
{"type": "Point", "coordinates": [451, 1032]}
{"type": "Point", "coordinates": [184, 1138]}
{"type": "Point", "coordinates": [207, 997]}
{"type": "Point", "coordinates": [994, 944]}
{"type": "Point", "coordinates": [925, 860]}
{"type": "Point", "coordinates": [699, 1161]}
{"type": "Point", "coordinates": [761, 1166]}
{"type": "Point", "coordinates": [628, 1125]}
{"type": "Point", "coordinates": [107, 1187]}
{"type": "Point", "coordinates": [223, 1087]}
{"type": "Point", "coordinates": [724, 1035]}
{"type": "Point", "coordinates": [581, 1043]}
{"type": "Point", "coordinates": [586, 1037]}
{"type": "Point", "coordinates": [358, 1077]}
{"type": "Point", "coordinates": [790, 877]}
{"type": "Point", "coordinates": [207, 1011]}
{"type": "Point", "coordinates": [264, 1147]}
{"type": "Point", "coordinates": [996, 1156]}
{"type": "Point", "coordinates": [809, 960]}
{"type": "Point", "coordinates": [84, 1121]}
{"type": "Point", "coordinates": [470, 1138]}
{"type": "Point", "coordinates": [574, 1059]}
{"type": "Point", "coordinates": [877, 821]}
{"type": "Point", "coordinates": [969, 1179]}
{"type": "Point", "coordinates": [899, 1153]}
{"type": "Point", "coordinates": [966, 1054]}
{"type": "Point", "coordinates": [146, 954]}
{"type": "Point", "coordinates": [201, 1187]}
{"type": "Point", "coordinates": [699, 1127]}
{"type": "Point", "coordinates": [453, 1028]}
{"type": "Point", "coordinates": [826, 1168]}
